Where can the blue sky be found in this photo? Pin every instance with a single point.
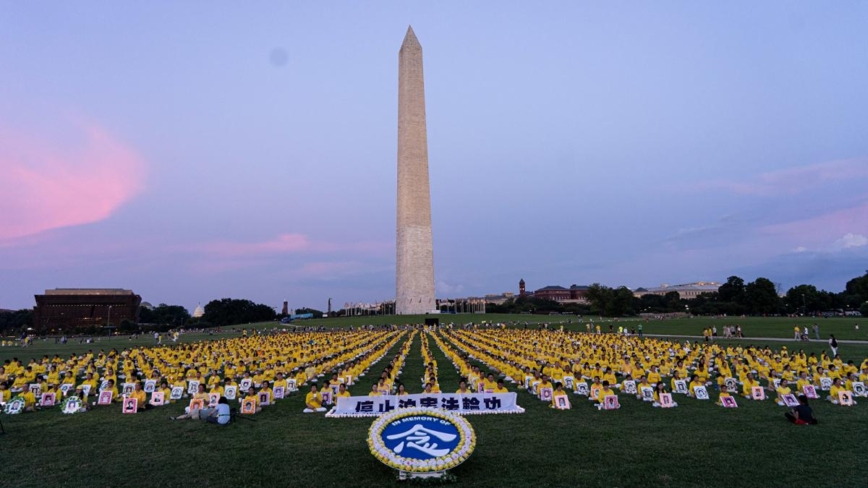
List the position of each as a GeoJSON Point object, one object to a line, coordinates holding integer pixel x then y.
{"type": "Point", "coordinates": [200, 150]}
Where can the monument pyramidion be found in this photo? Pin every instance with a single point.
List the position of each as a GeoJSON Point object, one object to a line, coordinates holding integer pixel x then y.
{"type": "Point", "coordinates": [415, 251]}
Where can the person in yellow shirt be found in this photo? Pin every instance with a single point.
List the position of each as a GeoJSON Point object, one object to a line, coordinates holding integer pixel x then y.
{"type": "Point", "coordinates": [802, 382]}
{"type": "Point", "coordinates": [343, 392]}
{"type": "Point", "coordinates": [783, 389]}
{"type": "Point", "coordinates": [313, 400]}
{"type": "Point", "coordinates": [462, 388]}
{"type": "Point", "coordinates": [252, 397]}
{"type": "Point", "coordinates": [559, 392]}
{"type": "Point", "coordinates": [500, 388]}
{"type": "Point", "coordinates": [5, 395]}
{"type": "Point", "coordinates": [375, 390]}
{"type": "Point", "coordinates": [142, 397]}
{"type": "Point", "coordinates": [747, 385]}
{"type": "Point", "coordinates": [603, 393]}
{"type": "Point", "coordinates": [29, 399]}
{"type": "Point", "coordinates": [401, 390]}
{"type": "Point", "coordinates": [837, 387]}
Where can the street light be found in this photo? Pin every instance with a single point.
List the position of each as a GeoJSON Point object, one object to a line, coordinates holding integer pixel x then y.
{"type": "Point", "coordinates": [109, 323]}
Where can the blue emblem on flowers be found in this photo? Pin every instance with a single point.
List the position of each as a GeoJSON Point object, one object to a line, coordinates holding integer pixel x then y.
{"type": "Point", "coordinates": [421, 437]}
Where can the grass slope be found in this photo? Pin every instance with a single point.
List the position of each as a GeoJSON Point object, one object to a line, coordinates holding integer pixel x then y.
{"type": "Point", "coordinates": [696, 444]}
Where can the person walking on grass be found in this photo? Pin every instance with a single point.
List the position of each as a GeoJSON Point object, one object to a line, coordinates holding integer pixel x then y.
{"type": "Point", "coordinates": [833, 344]}
{"type": "Point", "coordinates": [816, 331]}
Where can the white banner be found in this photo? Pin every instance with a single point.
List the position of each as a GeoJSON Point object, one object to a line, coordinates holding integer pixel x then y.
{"type": "Point", "coordinates": [467, 404]}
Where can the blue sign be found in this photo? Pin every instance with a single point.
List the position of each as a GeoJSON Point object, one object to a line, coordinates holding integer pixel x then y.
{"type": "Point", "coordinates": [421, 437]}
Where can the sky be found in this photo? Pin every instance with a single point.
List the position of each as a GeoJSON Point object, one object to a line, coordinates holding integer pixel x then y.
{"type": "Point", "coordinates": [191, 151]}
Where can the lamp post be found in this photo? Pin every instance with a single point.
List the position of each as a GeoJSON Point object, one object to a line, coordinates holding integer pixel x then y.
{"type": "Point", "coordinates": [109, 322]}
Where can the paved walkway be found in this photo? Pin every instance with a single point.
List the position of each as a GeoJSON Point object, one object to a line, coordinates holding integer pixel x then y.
{"type": "Point", "coordinates": [757, 339]}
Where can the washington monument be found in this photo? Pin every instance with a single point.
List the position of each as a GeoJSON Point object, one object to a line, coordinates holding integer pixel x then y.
{"type": "Point", "coordinates": [415, 257]}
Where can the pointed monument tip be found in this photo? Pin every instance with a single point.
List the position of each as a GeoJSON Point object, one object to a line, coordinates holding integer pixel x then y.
{"type": "Point", "coordinates": [410, 38]}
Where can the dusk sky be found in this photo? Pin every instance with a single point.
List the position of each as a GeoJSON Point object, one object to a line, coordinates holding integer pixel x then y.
{"type": "Point", "coordinates": [199, 150]}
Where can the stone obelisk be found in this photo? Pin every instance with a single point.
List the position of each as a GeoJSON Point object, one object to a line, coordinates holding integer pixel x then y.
{"type": "Point", "coordinates": [415, 256]}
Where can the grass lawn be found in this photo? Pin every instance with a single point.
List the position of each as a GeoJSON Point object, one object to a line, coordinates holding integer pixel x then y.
{"type": "Point", "coordinates": [696, 444]}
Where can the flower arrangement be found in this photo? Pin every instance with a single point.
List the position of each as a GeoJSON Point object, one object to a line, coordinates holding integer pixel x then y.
{"type": "Point", "coordinates": [15, 405]}
{"type": "Point", "coordinates": [68, 410]}
{"type": "Point", "coordinates": [466, 442]}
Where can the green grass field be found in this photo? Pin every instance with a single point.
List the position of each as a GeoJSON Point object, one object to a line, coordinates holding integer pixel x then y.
{"type": "Point", "coordinates": [696, 444]}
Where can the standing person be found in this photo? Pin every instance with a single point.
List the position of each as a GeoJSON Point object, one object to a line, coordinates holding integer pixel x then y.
{"type": "Point", "coordinates": [640, 331]}
{"type": "Point", "coordinates": [833, 344]}
{"type": "Point", "coordinates": [816, 331]}
{"type": "Point", "coordinates": [796, 334]}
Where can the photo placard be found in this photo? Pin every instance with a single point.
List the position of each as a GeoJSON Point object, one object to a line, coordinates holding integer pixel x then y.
{"type": "Point", "coordinates": [47, 400]}
{"type": "Point", "coordinates": [728, 402]}
{"type": "Point", "coordinates": [790, 400]}
{"type": "Point", "coordinates": [230, 392]}
{"type": "Point", "coordinates": [177, 393]}
{"type": "Point", "coordinates": [158, 398]}
{"type": "Point", "coordinates": [150, 386]}
{"type": "Point", "coordinates": [758, 393]}
{"type": "Point", "coordinates": [264, 398]}
{"type": "Point", "coordinates": [130, 405]}
{"type": "Point", "coordinates": [278, 392]}
{"type": "Point", "coordinates": [681, 386]}
{"type": "Point", "coordinates": [248, 407]}
{"type": "Point", "coordinates": [562, 402]}
{"type": "Point", "coordinates": [731, 385]}
{"type": "Point", "coordinates": [666, 400]}
{"type": "Point", "coordinates": [647, 394]}
{"type": "Point", "coordinates": [629, 386]}
{"type": "Point", "coordinates": [192, 387]}
{"type": "Point", "coordinates": [700, 392]}
{"type": "Point", "coordinates": [845, 398]}
{"type": "Point", "coordinates": [582, 388]}
{"type": "Point", "coordinates": [105, 397]}
{"type": "Point", "coordinates": [610, 402]}
{"type": "Point", "coordinates": [810, 391]}
{"type": "Point", "coordinates": [545, 394]}
{"type": "Point", "coordinates": [197, 404]}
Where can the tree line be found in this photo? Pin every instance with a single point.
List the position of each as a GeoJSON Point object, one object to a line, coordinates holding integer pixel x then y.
{"type": "Point", "coordinates": [735, 297]}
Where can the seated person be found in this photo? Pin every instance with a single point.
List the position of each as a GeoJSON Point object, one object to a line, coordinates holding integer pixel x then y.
{"type": "Point", "coordinates": [658, 390]}
{"type": "Point", "coordinates": [801, 415]}
{"type": "Point", "coordinates": [221, 414]}
{"type": "Point", "coordinates": [462, 388]}
{"type": "Point", "coordinates": [781, 390]}
{"type": "Point", "coordinates": [603, 393]}
{"type": "Point", "coordinates": [313, 400]}
{"type": "Point", "coordinates": [343, 392]}
{"type": "Point", "coordinates": [142, 397]}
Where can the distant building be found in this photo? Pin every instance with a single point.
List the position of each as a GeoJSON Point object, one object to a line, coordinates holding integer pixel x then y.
{"type": "Point", "coordinates": [573, 294]}
{"type": "Point", "coordinates": [199, 312]}
{"type": "Point", "coordinates": [686, 291]}
{"type": "Point", "coordinates": [69, 309]}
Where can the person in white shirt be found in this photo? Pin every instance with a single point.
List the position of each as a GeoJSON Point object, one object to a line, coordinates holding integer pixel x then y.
{"type": "Point", "coordinates": [221, 414]}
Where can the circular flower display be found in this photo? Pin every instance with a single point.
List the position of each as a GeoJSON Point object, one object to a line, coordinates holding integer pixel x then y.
{"type": "Point", "coordinates": [421, 440]}
{"type": "Point", "coordinates": [71, 404]}
{"type": "Point", "coordinates": [15, 406]}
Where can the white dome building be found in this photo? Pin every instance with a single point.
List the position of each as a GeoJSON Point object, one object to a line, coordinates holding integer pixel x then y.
{"type": "Point", "coordinates": [198, 312]}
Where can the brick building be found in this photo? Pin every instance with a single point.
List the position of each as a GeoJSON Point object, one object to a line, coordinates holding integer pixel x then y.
{"type": "Point", "coordinates": [70, 309]}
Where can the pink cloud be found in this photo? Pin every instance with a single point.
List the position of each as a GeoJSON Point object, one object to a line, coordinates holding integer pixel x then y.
{"type": "Point", "coordinates": [792, 181]}
{"type": "Point", "coordinates": [822, 229]}
{"type": "Point", "coordinates": [47, 186]}
{"type": "Point", "coordinates": [284, 243]}
{"type": "Point", "coordinates": [289, 243]}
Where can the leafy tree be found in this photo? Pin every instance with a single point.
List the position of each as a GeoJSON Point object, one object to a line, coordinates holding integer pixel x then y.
{"type": "Point", "coordinates": [761, 297]}
{"type": "Point", "coordinates": [163, 314]}
{"type": "Point", "coordinates": [228, 311]}
{"type": "Point", "coordinates": [317, 314]}
{"type": "Point", "coordinates": [803, 297]}
{"type": "Point", "coordinates": [733, 290]}
{"type": "Point", "coordinates": [17, 320]}
{"type": "Point", "coordinates": [600, 297]}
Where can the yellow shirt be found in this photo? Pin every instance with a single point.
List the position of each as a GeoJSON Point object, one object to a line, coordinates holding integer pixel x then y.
{"type": "Point", "coordinates": [313, 399]}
